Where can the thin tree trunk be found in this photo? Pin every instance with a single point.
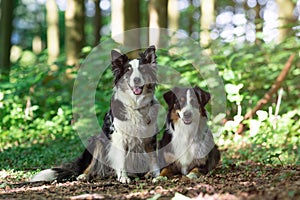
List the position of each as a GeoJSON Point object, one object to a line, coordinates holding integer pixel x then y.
{"type": "Point", "coordinates": [286, 18]}
{"type": "Point", "coordinates": [191, 20]}
{"type": "Point", "coordinates": [125, 17]}
{"type": "Point", "coordinates": [97, 22]}
{"type": "Point", "coordinates": [132, 14]}
{"type": "Point", "coordinates": [207, 19]}
{"type": "Point", "coordinates": [173, 21]}
{"type": "Point", "coordinates": [74, 22]}
{"type": "Point", "coordinates": [258, 22]}
{"type": "Point", "coordinates": [132, 21]}
{"type": "Point", "coordinates": [52, 31]}
{"type": "Point", "coordinates": [158, 18]}
{"type": "Point", "coordinates": [173, 15]}
{"type": "Point", "coordinates": [6, 27]}
{"type": "Point", "coordinates": [37, 44]}
{"type": "Point", "coordinates": [117, 20]}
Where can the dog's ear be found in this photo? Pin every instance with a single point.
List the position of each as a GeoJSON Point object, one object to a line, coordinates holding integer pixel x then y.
{"type": "Point", "coordinates": [115, 55]}
{"type": "Point", "coordinates": [118, 61]}
{"type": "Point", "coordinates": [149, 55]}
{"type": "Point", "coordinates": [202, 95]}
{"type": "Point", "coordinates": [169, 98]}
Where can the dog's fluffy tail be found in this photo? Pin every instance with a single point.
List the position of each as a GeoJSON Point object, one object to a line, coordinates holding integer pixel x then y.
{"type": "Point", "coordinates": [68, 171]}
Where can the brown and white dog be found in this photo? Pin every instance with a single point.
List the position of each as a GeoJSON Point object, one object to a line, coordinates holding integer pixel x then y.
{"type": "Point", "coordinates": [127, 143]}
{"type": "Point", "coordinates": [188, 142]}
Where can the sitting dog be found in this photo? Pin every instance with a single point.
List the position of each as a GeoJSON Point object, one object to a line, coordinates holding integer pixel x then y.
{"type": "Point", "coordinates": [134, 110]}
{"type": "Point", "coordinates": [127, 143]}
{"type": "Point", "coordinates": [187, 142]}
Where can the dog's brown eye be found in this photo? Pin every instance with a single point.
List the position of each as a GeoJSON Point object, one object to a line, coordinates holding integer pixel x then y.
{"type": "Point", "coordinates": [129, 69]}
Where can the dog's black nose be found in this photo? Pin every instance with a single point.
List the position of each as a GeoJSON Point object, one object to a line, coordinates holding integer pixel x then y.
{"type": "Point", "coordinates": [137, 80]}
{"type": "Point", "coordinates": [187, 114]}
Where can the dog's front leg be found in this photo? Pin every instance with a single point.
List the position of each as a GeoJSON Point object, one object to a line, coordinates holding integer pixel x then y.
{"type": "Point", "coordinates": [117, 156]}
{"type": "Point", "coordinates": [153, 165]}
{"type": "Point", "coordinates": [152, 114]}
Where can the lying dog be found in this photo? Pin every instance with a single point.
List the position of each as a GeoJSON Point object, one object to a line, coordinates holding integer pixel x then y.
{"type": "Point", "coordinates": [187, 141]}
{"type": "Point", "coordinates": [128, 139]}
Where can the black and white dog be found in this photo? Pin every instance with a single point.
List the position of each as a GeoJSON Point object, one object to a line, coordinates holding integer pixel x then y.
{"type": "Point", "coordinates": [127, 144]}
{"type": "Point", "coordinates": [188, 142]}
{"type": "Point", "coordinates": [134, 110]}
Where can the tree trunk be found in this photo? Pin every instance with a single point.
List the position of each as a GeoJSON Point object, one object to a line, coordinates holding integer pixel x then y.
{"type": "Point", "coordinates": [286, 18]}
{"type": "Point", "coordinates": [117, 20]}
{"type": "Point", "coordinates": [158, 18]}
{"type": "Point", "coordinates": [52, 31]}
{"type": "Point", "coordinates": [37, 44]}
{"type": "Point", "coordinates": [74, 22]}
{"type": "Point", "coordinates": [173, 15]}
{"type": "Point", "coordinates": [191, 20]}
{"type": "Point", "coordinates": [6, 27]}
{"type": "Point", "coordinates": [126, 16]}
{"type": "Point", "coordinates": [259, 23]}
{"type": "Point", "coordinates": [132, 21]}
{"type": "Point", "coordinates": [207, 19]}
{"type": "Point", "coordinates": [97, 22]}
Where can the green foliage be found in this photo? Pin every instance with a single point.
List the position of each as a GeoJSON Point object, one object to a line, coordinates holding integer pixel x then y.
{"type": "Point", "coordinates": [270, 140]}
{"type": "Point", "coordinates": [248, 73]}
{"type": "Point", "coordinates": [35, 111]}
{"type": "Point", "coordinates": [36, 105]}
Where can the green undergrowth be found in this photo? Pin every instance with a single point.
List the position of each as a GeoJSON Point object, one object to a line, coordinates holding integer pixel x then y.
{"type": "Point", "coordinates": [39, 129]}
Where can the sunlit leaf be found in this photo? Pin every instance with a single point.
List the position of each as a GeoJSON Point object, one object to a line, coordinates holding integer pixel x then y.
{"type": "Point", "coordinates": [262, 115]}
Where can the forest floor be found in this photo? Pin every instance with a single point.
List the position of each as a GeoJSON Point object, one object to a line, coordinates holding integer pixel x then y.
{"type": "Point", "coordinates": [247, 180]}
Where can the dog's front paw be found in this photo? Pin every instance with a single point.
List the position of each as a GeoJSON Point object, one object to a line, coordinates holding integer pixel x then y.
{"type": "Point", "coordinates": [82, 177]}
{"type": "Point", "coordinates": [156, 173]}
{"type": "Point", "coordinates": [124, 179]}
{"type": "Point", "coordinates": [159, 179]}
{"type": "Point", "coordinates": [192, 175]}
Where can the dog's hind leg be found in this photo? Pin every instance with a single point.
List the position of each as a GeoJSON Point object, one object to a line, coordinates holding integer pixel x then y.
{"type": "Point", "coordinates": [150, 148]}
{"type": "Point", "coordinates": [213, 159]}
{"type": "Point", "coordinates": [99, 166]}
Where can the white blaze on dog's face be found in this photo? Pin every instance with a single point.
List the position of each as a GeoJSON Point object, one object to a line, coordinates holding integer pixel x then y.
{"type": "Point", "coordinates": [137, 75]}
{"type": "Point", "coordinates": [188, 111]}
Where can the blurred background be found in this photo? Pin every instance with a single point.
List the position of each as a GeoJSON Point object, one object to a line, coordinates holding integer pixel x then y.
{"type": "Point", "coordinates": [252, 43]}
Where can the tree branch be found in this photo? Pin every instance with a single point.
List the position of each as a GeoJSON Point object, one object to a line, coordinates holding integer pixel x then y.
{"type": "Point", "coordinates": [276, 85]}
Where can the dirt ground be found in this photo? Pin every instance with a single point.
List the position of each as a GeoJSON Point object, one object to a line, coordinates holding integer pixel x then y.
{"type": "Point", "coordinates": [246, 181]}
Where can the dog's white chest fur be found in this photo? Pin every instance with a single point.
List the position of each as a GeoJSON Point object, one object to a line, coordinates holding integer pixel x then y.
{"type": "Point", "coordinates": [191, 142]}
{"type": "Point", "coordinates": [128, 146]}
{"type": "Point", "coordinates": [135, 125]}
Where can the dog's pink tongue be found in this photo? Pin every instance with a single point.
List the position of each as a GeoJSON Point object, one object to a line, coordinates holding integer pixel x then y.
{"type": "Point", "coordinates": [137, 90]}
